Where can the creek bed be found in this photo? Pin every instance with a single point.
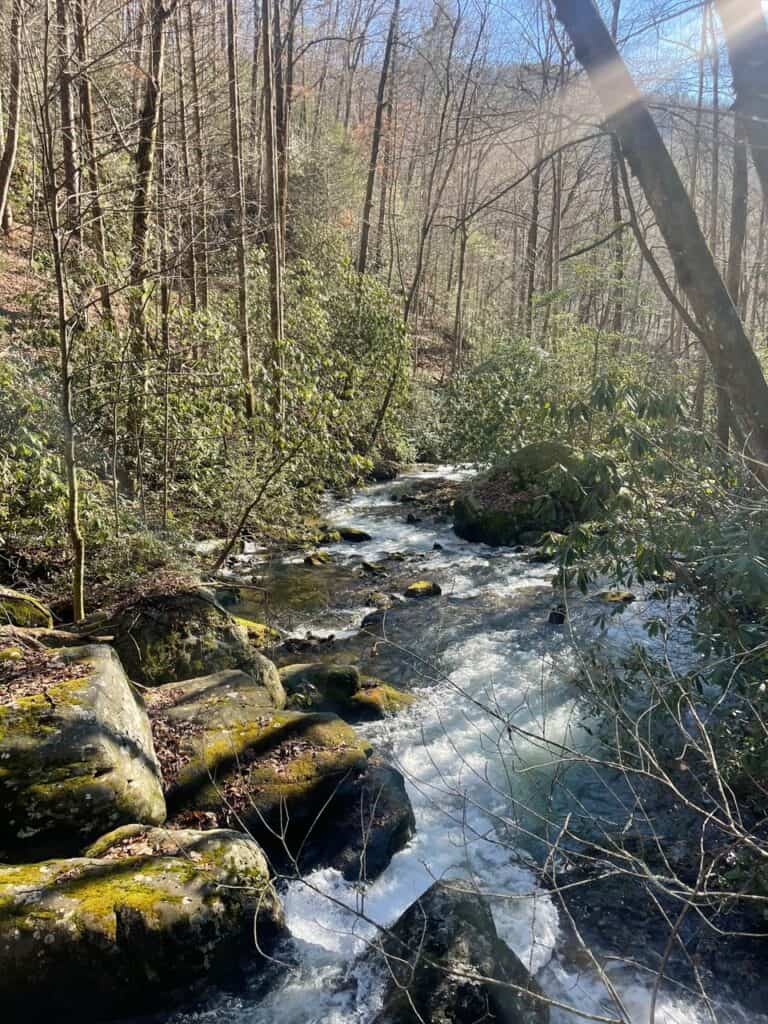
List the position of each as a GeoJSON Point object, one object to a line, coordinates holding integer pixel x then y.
{"type": "Point", "coordinates": [479, 656]}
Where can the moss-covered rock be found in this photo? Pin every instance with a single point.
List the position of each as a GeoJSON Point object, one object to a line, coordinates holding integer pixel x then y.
{"type": "Point", "coordinates": [423, 588]}
{"type": "Point", "coordinates": [616, 597]}
{"type": "Point", "coordinates": [259, 634]}
{"type": "Point", "coordinates": [144, 916]}
{"type": "Point", "coordinates": [162, 638]}
{"type": "Point", "coordinates": [76, 757]}
{"type": "Point", "coordinates": [318, 686]}
{"type": "Point", "coordinates": [294, 781]}
{"type": "Point", "coordinates": [18, 609]}
{"type": "Point", "coordinates": [221, 700]}
{"type": "Point", "coordinates": [317, 558]}
{"type": "Point", "coordinates": [352, 535]}
{"type": "Point", "coordinates": [438, 957]}
{"type": "Point", "coordinates": [376, 699]}
{"type": "Point", "coordinates": [543, 487]}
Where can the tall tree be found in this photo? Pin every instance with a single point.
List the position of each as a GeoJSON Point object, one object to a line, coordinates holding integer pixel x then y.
{"type": "Point", "coordinates": [362, 256]}
{"type": "Point", "coordinates": [273, 217]}
{"type": "Point", "coordinates": [235, 143]}
{"type": "Point", "coordinates": [746, 36]}
{"type": "Point", "coordinates": [11, 143]}
{"type": "Point", "coordinates": [722, 332]}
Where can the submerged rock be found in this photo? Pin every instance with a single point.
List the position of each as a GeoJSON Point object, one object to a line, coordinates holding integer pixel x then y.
{"type": "Point", "coordinates": [317, 558]}
{"type": "Point", "coordinates": [17, 609]}
{"type": "Point", "coordinates": [76, 755]}
{"type": "Point", "coordinates": [543, 487]}
{"type": "Point", "coordinates": [353, 535]}
{"type": "Point", "coordinates": [146, 914]}
{"type": "Point", "coordinates": [616, 597]}
{"type": "Point", "coordinates": [165, 637]}
{"type": "Point", "coordinates": [438, 957]}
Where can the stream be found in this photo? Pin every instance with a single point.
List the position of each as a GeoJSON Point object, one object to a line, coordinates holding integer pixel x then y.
{"type": "Point", "coordinates": [480, 793]}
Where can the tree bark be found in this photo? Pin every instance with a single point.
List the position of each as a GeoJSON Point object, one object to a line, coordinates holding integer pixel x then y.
{"type": "Point", "coordinates": [365, 227]}
{"type": "Point", "coordinates": [722, 332]}
{"type": "Point", "coordinates": [273, 219]}
{"type": "Point", "coordinates": [8, 158]}
{"type": "Point", "coordinates": [746, 38]}
{"type": "Point", "coordinates": [239, 199]}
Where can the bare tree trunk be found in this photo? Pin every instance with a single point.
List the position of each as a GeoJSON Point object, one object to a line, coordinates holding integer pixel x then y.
{"type": "Point", "coordinates": [142, 195]}
{"type": "Point", "coordinates": [190, 219]}
{"type": "Point", "coordinates": [98, 232]}
{"type": "Point", "coordinates": [8, 158]}
{"type": "Point", "coordinates": [68, 128]}
{"type": "Point", "coordinates": [237, 182]}
{"type": "Point", "coordinates": [532, 245]}
{"type": "Point", "coordinates": [365, 228]}
{"type": "Point", "coordinates": [722, 332]}
{"type": "Point", "coordinates": [617, 324]}
{"type": "Point", "coordinates": [273, 220]}
{"type": "Point", "coordinates": [200, 243]}
{"type": "Point", "coordinates": [746, 36]}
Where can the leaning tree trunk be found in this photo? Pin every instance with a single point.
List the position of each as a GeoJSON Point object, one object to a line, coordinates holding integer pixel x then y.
{"type": "Point", "coordinates": [722, 332]}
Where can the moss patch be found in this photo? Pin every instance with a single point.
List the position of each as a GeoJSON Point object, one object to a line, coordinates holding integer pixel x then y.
{"type": "Point", "coordinates": [423, 588]}
{"type": "Point", "coordinates": [22, 610]}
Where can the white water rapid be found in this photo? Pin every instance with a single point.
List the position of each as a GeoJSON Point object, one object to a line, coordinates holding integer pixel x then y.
{"type": "Point", "coordinates": [474, 788]}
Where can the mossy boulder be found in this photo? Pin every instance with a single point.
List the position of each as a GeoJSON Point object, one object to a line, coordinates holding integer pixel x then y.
{"type": "Point", "coordinates": [220, 700]}
{"type": "Point", "coordinates": [318, 686]}
{"type": "Point", "coordinates": [143, 917]}
{"type": "Point", "coordinates": [543, 487]}
{"type": "Point", "coordinates": [293, 780]}
{"type": "Point", "coordinates": [353, 535]}
{"type": "Point", "coordinates": [259, 633]}
{"type": "Point", "coordinates": [317, 558]}
{"type": "Point", "coordinates": [438, 958]}
{"type": "Point", "coordinates": [18, 609]}
{"type": "Point", "coordinates": [162, 638]}
{"type": "Point", "coordinates": [423, 588]}
{"type": "Point", "coordinates": [76, 756]}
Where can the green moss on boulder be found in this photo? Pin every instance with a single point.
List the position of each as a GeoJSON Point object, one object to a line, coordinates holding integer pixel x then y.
{"type": "Point", "coordinates": [18, 609]}
{"type": "Point", "coordinates": [545, 486]}
{"type": "Point", "coordinates": [162, 638]}
{"type": "Point", "coordinates": [341, 689]}
{"type": "Point", "coordinates": [76, 758]}
{"type": "Point", "coordinates": [147, 913]}
{"type": "Point", "coordinates": [422, 589]}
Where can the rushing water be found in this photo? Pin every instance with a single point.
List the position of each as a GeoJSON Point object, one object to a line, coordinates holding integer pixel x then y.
{"type": "Point", "coordinates": [477, 791]}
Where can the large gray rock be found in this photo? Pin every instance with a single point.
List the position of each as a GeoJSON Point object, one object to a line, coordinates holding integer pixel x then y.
{"type": "Point", "coordinates": [76, 755]}
{"type": "Point", "coordinates": [148, 913]}
{"type": "Point", "coordinates": [437, 958]}
{"type": "Point", "coordinates": [162, 638]}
